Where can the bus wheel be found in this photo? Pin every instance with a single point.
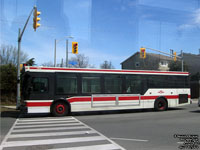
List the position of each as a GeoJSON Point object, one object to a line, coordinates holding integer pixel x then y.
{"type": "Point", "coordinates": [59, 109]}
{"type": "Point", "coordinates": [160, 104]}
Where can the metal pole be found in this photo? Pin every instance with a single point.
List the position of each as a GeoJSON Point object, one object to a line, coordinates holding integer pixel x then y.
{"type": "Point", "coordinates": [66, 53]}
{"type": "Point", "coordinates": [161, 52]}
{"type": "Point", "coordinates": [199, 93]}
{"type": "Point", "coordinates": [18, 71]}
{"type": "Point", "coordinates": [182, 61]}
{"type": "Point", "coordinates": [55, 54]}
{"type": "Point", "coordinates": [18, 60]}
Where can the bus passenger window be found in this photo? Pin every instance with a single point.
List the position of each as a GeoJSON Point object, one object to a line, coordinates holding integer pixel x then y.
{"type": "Point", "coordinates": [91, 85]}
{"type": "Point", "coordinates": [40, 85]}
{"type": "Point", "coordinates": [133, 84]}
{"type": "Point", "coordinates": [113, 84]}
{"type": "Point", "coordinates": [66, 84]}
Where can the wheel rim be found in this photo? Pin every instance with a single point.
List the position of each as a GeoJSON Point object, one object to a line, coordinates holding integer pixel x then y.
{"type": "Point", "coordinates": [161, 105]}
{"type": "Point", "coordinates": [60, 108]}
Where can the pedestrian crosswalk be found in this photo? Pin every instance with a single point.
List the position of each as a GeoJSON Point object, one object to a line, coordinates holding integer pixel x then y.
{"type": "Point", "coordinates": [66, 133]}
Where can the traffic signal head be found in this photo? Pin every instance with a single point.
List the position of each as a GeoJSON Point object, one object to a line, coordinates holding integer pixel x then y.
{"type": "Point", "coordinates": [143, 53]}
{"type": "Point", "coordinates": [75, 47]}
{"type": "Point", "coordinates": [175, 56]}
{"type": "Point", "coordinates": [36, 18]}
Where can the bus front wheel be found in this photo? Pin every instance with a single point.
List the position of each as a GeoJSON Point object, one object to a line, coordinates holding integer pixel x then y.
{"type": "Point", "coordinates": [60, 109]}
{"type": "Point", "coordinates": [160, 104]}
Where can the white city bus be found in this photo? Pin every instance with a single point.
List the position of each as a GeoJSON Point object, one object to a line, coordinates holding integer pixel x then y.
{"type": "Point", "coordinates": [63, 90]}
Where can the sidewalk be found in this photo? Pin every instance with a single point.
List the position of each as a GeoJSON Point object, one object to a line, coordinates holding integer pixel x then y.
{"type": "Point", "coordinates": [195, 101]}
{"type": "Point", "coordinates": [9, 107]}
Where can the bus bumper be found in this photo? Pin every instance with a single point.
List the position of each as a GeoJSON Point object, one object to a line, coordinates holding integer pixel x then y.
{"type": "Point", "coordinates": [23, 109]}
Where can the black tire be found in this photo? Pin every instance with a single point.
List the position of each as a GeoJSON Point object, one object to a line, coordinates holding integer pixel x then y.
{"type": "Point", "coordinates": [160, 104]}
{"type": "Point", "coordinates": [60, 109]}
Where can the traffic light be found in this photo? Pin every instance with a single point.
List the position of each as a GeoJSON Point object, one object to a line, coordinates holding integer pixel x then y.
{"type": "Point", "coordinates": [143, 53]}
{"type": "Point", "coordinates": [75, 47]}
{"type": "Point", "coordinates": [36, 18]}
{"type": "Point", "coordinates": [175, 56]}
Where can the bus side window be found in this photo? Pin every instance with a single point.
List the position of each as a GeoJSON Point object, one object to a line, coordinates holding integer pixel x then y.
{"type": "Point", "coordinates": [133, 84]}
{"type": "Point", "coordinates": [113, 84]}
{"type": "Point", "coordinates": [40, 85]}
{"type": "Point", "coordinates": [66, 83]}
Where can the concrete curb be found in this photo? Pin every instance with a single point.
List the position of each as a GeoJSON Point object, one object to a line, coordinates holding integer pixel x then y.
{"type": "Point", "coordinates": [10, 107]}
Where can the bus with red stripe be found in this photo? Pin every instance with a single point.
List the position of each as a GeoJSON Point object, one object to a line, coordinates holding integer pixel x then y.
{"type": "Point", "coordinates": [61, 91]}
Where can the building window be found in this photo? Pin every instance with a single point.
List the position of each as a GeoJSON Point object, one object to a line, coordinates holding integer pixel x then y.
{"type": "Point", "coordinates": [163, 63]}
{"type": "Point", "coordinates": [137, 64]}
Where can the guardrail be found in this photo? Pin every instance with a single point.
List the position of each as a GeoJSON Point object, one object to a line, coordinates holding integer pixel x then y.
{"type": "Point", "coordinates": [114, 100]}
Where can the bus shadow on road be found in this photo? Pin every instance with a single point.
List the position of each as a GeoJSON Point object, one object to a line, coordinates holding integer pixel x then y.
{"type": "Point", "coordinates": [18, 114]}
{"type": "Point", "coordinates": [12, 114]}
{"type": "Point", "coordinates": [107, 112]}
{"type": "Point", "coordinates": [195, 111]}
{"type": "Point", "coordinates": [173, 109]}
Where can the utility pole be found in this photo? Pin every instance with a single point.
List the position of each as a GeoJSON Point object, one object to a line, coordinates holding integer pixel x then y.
{"type": "Point", "coordinates": [67, 41]}
{"type": "Point", "coordinates": [55, 54]}
{"type": "Point", "coordinates": [199, 92]}
{"type": "Point", "coordinates": [67, 53]}
{"type": "Point", "coordinates": [182, 67]}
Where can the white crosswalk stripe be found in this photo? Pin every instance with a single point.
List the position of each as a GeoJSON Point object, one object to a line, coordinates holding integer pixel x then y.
{"type": "Point", "coordinates": [66, 133]}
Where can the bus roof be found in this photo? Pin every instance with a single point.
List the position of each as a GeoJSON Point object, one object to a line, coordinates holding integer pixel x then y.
{"type": "Point", "coordinates": [109, 71]}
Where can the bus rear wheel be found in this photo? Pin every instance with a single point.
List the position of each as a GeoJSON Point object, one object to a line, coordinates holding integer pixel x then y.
{"type": "Point", "coordinates": [59, 109]}
{"type": "Point", "coordinates": [160, 104]}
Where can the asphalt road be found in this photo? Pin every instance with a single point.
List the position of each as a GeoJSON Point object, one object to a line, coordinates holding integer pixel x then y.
{"type": "Point", "coordinates": [147, 130]}
{"type": "Point", "coordinates": [130, 129]}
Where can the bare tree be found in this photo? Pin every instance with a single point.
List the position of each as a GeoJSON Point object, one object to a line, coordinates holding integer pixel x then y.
{"type": "Point", "coordinates": [107, 65]}
{"type": "Point", "coordinates": [48, 64]}
{"type": "Point", "coordinates": [8, 55]}
{"type": "Point", "coordinates": [81, 61]}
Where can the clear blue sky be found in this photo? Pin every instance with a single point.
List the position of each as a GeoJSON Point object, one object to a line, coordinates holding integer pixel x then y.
{"type": "Point", "coordinates": [110, 30]}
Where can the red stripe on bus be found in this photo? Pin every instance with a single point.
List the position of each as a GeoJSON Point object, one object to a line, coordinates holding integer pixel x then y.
{"type": "Point", "coordinates": [123, 98]}
{"type": "Point", "coordinates": [79, 99]}
{"type": "Point", "coordinates": [104, 99]}
{"type": "Point", "coordinates": [106, 70]}
{"type": "Point", "coordinates": [35, 104]}
{"type": "Point", "coordinates": [88, 99]}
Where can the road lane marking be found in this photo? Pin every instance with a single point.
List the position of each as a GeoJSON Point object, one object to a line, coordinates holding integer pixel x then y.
{"type": "Point", "coordinates": [52, 141]}
{"type": "Point", "coordinates": [51, 134]}
{"type": "Point", "coordinates": [102, 135]}
{"type": "Point", "coordinates": [49, 129]}
{"type": "Point", "coordinates": [125, 139]}
{"type": "Point", "coordinates": [93, 147]}
{"type": "Point", "coordinates": [46, 119]}
{"type": "Point", "coordinates": [24, 123]}
{"type": "Point", "coordinates": [7, 135]}
{"type": "Point", "coordinates": [28, 133]}
{"type": "Point", "coordinates": [48, 125]}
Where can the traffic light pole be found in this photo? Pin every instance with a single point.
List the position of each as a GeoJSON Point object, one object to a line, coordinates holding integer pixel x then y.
{"type": "Point", "coordinates": [182, 66]}
{"type": "Point", "coordinates": [67, 53]}
{"type": "Point", "coordinates": [18, 60]}
{"type": "Point", "coordinates": [18, 71]}
{"type": "Point", "coordinates": [55, 53]}
{"type": "Point", "coordinates": [182, 61]}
